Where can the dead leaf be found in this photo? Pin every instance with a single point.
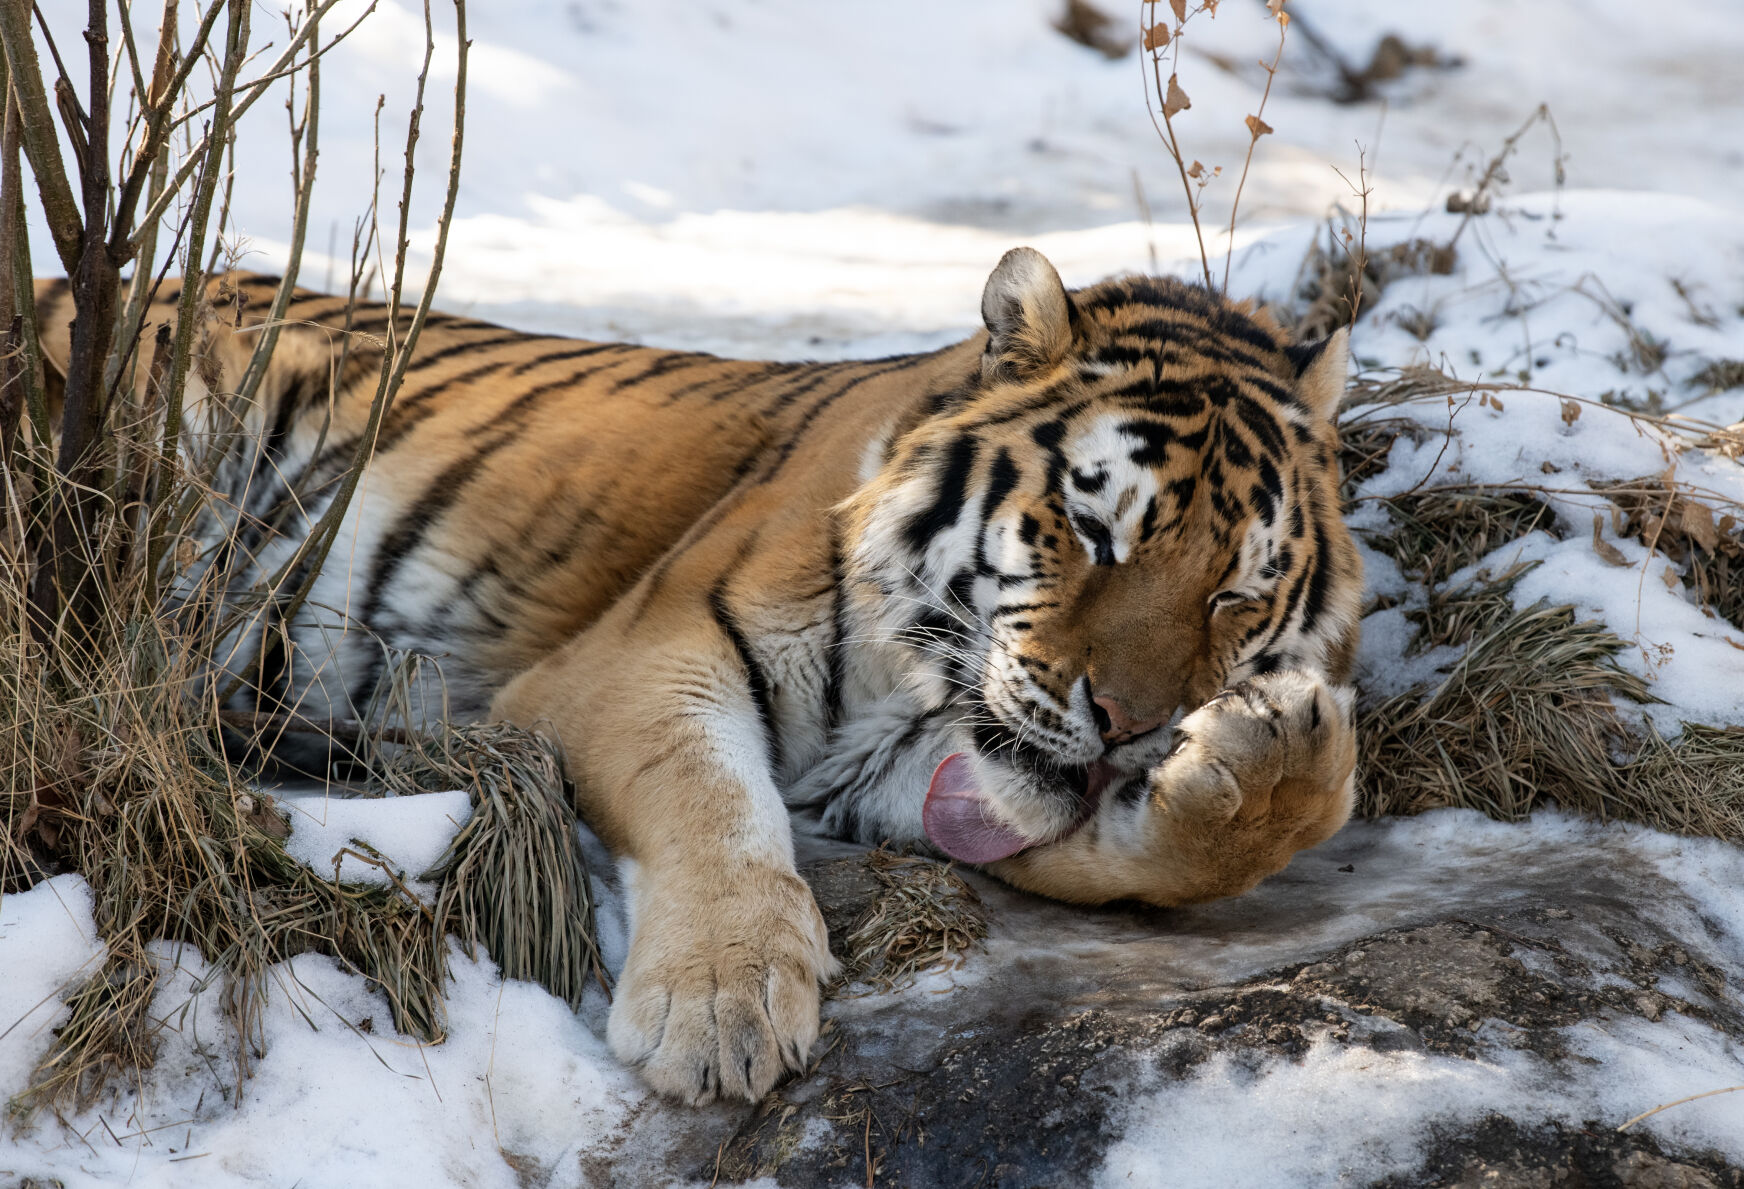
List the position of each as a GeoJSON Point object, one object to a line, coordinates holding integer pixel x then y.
{"type": "Point", "coordinates": [1156, 37]}
{"type": "Point", "coordinates": [1180, 10]}
{"type": "Point", "coordinates": [1727, 523]}
{"type": "Point", "coordinates": [1284, 19]}
{"type": "Point", "coordinates": [1670, 577]}
{"type": "Point", "coordinates": [1196, 170]}
{"type": "Point", "coordinates": [1176, 100]}
{"type": "Point", "coordinates": [1603, 547]}
{"type": "Point", "coordinates": [1571, 411]}
{"type": "Point", "coordinates": [1276, 6]}
{"type": "Point", "coordinates": [1698, 523]}
{"type": "Point", "coordinates": [1257, 127]}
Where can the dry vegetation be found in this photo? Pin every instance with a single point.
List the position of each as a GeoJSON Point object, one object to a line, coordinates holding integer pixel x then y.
{"type": "Point", "coordinates": [924, 916]}
{"type": "Point", "coordinates": [1529, 713]}
{"type": "Point", "coordinates": [123, 586]}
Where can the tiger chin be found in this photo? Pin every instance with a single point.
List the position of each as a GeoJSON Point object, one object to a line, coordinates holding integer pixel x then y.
{"type": "Point", "coordinates": [1071, 600]}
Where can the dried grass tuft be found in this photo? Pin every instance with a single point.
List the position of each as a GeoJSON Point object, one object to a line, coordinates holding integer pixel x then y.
{"type": "Point", "coordinates": [108, 1035]}
{"type": "Point", "coordinates": [1436, 533]}
{"type": "Point", "coordinates": [1720, 375]}
{"type": "Point", "coordinates": [1693, 784]}
{"type": "Point", "coordinates": [1338, 282]}
{"type": "Point", "coordinates": [926, 916]}
{"type": "Point", "coordinates": [514, 879]}
{"type": "Point", "coordinates": [1525, 716]}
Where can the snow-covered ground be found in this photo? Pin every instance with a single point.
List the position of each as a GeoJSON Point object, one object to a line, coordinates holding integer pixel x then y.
{"type": "Point", "coordinates": [784, 178]}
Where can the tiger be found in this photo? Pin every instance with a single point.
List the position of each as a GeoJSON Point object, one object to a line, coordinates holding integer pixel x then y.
{"type": "Point", "coordinates": [1071, 601]}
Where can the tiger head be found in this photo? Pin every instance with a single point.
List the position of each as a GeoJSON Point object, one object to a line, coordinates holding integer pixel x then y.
{"type": "Point", "coordinates": [1130, 506]}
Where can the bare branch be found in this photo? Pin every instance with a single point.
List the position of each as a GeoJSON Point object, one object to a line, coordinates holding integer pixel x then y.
{"type": "Point", "coordinates": [239, 104]}
{"type": "Point", "coordinates": [312, 553]}
{"type": "Point", "coordinates": [1256, 128]}
{"type": "Point", "coordinates": [38, 134]}
{"type": "Point", "coordinates": [193, 283]}
{"type": "Point", "coordinates": [309, 132]}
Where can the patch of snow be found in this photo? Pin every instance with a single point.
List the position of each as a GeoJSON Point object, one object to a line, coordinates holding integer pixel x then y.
{"type": "Point", "coordinates": [410, 833]}
{"type": "Point", "coordinates": [48, 944]}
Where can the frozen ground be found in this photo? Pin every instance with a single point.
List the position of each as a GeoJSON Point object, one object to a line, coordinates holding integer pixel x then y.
{"type": "Point", "coordinates": [784, 178]}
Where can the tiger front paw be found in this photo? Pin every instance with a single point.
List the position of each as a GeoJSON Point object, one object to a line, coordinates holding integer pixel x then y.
{"type": "Point", "coordinates": [1258, 773]}
{"type": "Point", "coordinates": [719, 996]}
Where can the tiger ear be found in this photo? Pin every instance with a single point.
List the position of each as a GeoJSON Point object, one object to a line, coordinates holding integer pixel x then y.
{"type": "Point", "coordinates": [1028, 315]}
{"type": "Point", "coordinates": [1321, 371]}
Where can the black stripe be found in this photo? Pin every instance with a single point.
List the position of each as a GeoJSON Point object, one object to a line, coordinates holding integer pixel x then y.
{"type": "Point", "coordinates": [838, 659]}
{"type": "Point", "coordinates": [792, 443]}
{"type": "Point", "coordinates": [425, 361]}
{"type": "Point", "coordinates": [947, 503]}
{"type": "Point", "coordinates": [755, 678]}
{"type": "Point", "coordinates": [1320, 571]}
{"type": "Point", "coordinates": [527, 365]}
{"type": "Point", "coordinates": [673, 362]}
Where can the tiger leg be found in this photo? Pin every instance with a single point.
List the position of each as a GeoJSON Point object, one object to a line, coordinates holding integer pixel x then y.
{"type": "Point", "coordinates": [664, 743]}
{"type": "Point", "coordinates": [1259, 772]}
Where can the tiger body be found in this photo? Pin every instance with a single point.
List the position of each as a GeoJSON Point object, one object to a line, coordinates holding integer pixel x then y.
{"type": "Point", "coordinates": [959, 596]}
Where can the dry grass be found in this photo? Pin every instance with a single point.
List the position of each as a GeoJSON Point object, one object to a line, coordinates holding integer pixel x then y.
{"type": "Point", "coordinates": [1693, 784]}
{"type": "Point", "coordinates": [1436, 533]}
{"type": "Point", "coordinates": [1720, 375]}
{"type": "Point", "coordinates": [514, 879]}
{"type": "Point", "coordinates": [1340, 280]}
{"type": "Point", "coordinates": [1525, 716]}
{"type": "Point", "coordinates": [925, 916]}
{"type": "Point", "coordinates": [113, 770]}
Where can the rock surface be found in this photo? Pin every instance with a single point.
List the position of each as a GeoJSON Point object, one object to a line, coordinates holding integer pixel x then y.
{"type": "Point", "coordinates": [1045, 1058]}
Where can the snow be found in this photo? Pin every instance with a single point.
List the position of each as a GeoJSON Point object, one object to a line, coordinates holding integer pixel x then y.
{"type": "Point", "coordinates": [409, 833]}
{"type": "Point", "coordinates": [784, 179]}
{"type": "Point", "coordinates": [48, 942]}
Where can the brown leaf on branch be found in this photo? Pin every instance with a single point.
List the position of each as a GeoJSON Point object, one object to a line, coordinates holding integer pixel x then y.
{"type": "Point", "coordinates": [1276, 6]}
{"type": "Point", "coordinates": [1180, 9]}
{"type": "Point", "coordinates": [1196, 170]}
{"type": "Point", "coordinates": [1176, 100]}
{"type": "Point", "coordinates": [1257, 127]}
{"type": "Point", "coordinates": [1156, 37]}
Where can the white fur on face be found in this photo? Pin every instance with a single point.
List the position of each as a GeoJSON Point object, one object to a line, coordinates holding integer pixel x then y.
{"type": "Point", "coordinates": [1105, 487]}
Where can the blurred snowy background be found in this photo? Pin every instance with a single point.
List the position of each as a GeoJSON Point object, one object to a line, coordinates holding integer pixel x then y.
{"type": "Point", "coordinates": [784, 177]}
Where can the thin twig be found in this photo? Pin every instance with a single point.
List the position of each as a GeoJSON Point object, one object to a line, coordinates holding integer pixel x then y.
{"type": "Point", "coordinates": [1678, 1102]}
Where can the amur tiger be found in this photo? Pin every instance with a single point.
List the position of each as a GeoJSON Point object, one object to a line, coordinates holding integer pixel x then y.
{"type": "Point", "coordinates": [1071, 600]}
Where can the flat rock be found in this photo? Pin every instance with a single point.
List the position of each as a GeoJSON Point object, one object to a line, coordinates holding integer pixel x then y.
{"type": "Point", "coordinates": [1402, 1007]}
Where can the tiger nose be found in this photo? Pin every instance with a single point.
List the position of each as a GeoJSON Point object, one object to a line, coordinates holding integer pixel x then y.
{"type": "Point", "coordinates": [1115, 724]}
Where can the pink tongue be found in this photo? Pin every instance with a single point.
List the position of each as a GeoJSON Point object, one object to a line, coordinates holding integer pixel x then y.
{"type": "Point", "coordinates": [955, 820]}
